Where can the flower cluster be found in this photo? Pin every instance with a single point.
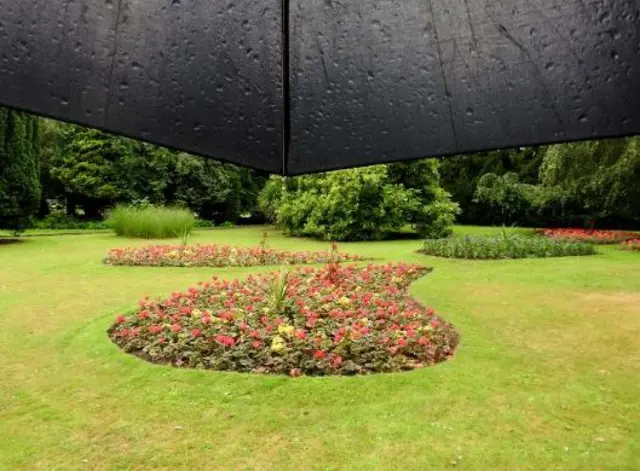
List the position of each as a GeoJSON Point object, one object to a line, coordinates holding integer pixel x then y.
{"type": "Point", "coordinates": [589, 235]}
{"type": "Point", "coordinates": [350, 320]}
{"type": "Point", "coordinates": [632, 244]}
{"type": "Point", "coordinates": [218, 256]}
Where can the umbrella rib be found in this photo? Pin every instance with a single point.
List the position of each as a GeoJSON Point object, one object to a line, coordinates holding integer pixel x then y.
{"type": "Point", "coordinates": [286, 95]}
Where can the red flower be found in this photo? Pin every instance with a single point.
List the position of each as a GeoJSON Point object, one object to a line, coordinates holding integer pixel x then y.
{"type": "Point", "coordinates": [435, 323]}
{"type": "Point", "coordinates": [319, 354]}
{"type": "Point", "coordinates": [176, 327]}
{"type": "Point", "coordinates": [155, 329]}
{"type": "Point", "coordinates": [143, 315]}
{"type": "Point", "coordinates": [225, 340]}
{"type": "Point", "coordinates": [300, 334]}
{"type": "Point", "coordinates": [336, 361]}
{"type": "Point", "coordinates": [120, 319]}
{"type": "Point", "coordinates": [195, 332]}
{"type": "Point", "coordinates": [256, 344]}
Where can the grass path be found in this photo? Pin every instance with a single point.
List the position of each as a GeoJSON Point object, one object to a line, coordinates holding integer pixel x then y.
{"type": "Point", "coordinates": [547, 375]}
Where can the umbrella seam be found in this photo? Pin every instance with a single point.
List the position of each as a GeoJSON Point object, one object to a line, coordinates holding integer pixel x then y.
{"type": "Point", "coordinates": [286, 112]}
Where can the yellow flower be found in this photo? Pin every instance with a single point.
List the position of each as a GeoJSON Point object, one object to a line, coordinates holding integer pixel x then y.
{"type": "Point", "coordinates": [344, 301]}
{"type": "Point", "coordinates": [266, 310]}
{"type": "Point", "coordinates": [285, 329]}
{"type": "Point", "coordinates": [277, 344]}
{"type": "Point", "coordinates": [364, 321]}
{"type": "Point", "coordinates": [196, 313]}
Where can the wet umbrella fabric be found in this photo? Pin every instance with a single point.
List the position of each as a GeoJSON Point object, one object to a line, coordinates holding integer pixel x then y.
{"type": "Point", "coordinates": [302, 86]}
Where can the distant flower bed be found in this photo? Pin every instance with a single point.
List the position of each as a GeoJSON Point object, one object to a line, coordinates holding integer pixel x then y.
{"type": "Point", "coordinates": [589, 235]}
{"type": "Point", "coordinates": [219, 256]}
{"type": "Point", "coordinates": [500, 247]}
{"type": "Point", "coordinates": [330, 321]}
{"type": "Point", "coordinates": [633, 244]}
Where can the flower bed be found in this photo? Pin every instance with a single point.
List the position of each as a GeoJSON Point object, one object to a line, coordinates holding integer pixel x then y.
{"type": "Point", "coordinates": [589, 235]}
{"type": "Point", "coordinates": [501, 247]}
{"type": "Point", "coordinates": [329, 321]}
{"type": "Point", "coordinates": [218, 256]}
{"type": "Point", "coordinates": [633, 244]}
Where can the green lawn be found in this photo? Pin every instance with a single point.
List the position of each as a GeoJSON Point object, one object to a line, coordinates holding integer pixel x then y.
{"type": "Point", "coordinates": [547, 375]}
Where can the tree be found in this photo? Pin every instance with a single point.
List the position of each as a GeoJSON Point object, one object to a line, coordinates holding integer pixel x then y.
{"type": "Point", "coordinates": [461, 175]}
{"type": "Point", "coordinates": [503, 198]}
{"type": "Point", "coordinates": [19, 171]}
{"type": "Point", "coordinates": [598, 178]}
{"type": "Point", "coordinates": [361, 204]}
{"type": "Point", "coordinates": [96, 170]}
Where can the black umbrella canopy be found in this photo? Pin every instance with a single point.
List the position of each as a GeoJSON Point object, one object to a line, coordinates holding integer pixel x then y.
{"type": "Point", "coordinates": [299, 86]}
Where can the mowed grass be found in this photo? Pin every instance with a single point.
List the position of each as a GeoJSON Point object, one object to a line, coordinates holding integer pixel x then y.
{"type": "Point", "coordinates": [547, 375]}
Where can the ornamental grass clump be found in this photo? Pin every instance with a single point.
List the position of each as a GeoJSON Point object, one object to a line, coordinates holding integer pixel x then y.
{"type": "Point", "coordinates": [295, 323]}
{"type": "Point", "coordinates": [504, 247]}
{"type": "Point", "coordinates": [151, 222]}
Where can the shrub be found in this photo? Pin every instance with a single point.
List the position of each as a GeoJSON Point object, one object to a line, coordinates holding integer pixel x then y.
{"type": "Point", "coordinates": [151, 222]}
{"type": "Point", "coordinates": [359, 321]}
{"type": "Point", "coordinates": [504, 246]}
{"type": "Point", "coordinates": [360, 204]}
{"type": "Point", "coordinates": [592, 236]}
{"type": "Point", "coordinates": [60, 220]}
{"type": "Point", "coordinates": [217, 256]}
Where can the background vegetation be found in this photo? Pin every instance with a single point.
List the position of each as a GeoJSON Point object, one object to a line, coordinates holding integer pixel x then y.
{"type": "Point", "coordinates": [65, 176]}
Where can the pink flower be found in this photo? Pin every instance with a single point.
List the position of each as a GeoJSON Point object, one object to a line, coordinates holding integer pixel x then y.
{"type": "Point", "coordinates": [176, 327]}
{"type": "Point", "coordinates": [120, 319]}
{"type": "Point", "coordinates": [195, 333]}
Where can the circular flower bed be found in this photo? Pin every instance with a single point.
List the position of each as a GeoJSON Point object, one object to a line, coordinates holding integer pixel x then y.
{"type": "Point", "coordinates": [218, 256]}
{"type": "Point", "coordinates": [589, 235]}
{"type": "Point", "coordinates": [330, 321]}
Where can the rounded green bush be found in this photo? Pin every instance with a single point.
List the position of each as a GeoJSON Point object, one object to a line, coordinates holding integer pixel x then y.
{"type": "Point", "coordinates": [151, 222]}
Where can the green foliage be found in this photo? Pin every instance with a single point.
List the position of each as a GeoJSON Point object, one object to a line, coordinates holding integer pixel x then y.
{"type": "Point", "coordinates": [19, 170]}
{"type": "Point", "coordinates": [576, 184]}
{"type": "Point", "coordinates": [60, 220]}
{"type": "Point", "coordinates": [505, 199]}
{"type": "Point", "coordinates": [361, 204]}
{"type": "Point", "coordinates": [600, 177]}
{"type": "Point", "coordinates": [96, 170]}
{"type": "Point", "coordinates": [506, 245]}
{"type": "Point", "coordinates": [151, 222]}
{"type": "Point", "coordinates": [461, 175]}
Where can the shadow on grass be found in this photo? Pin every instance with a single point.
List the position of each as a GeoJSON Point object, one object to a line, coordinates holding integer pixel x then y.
{"type": "Point", "coordinates": [9, 240]}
